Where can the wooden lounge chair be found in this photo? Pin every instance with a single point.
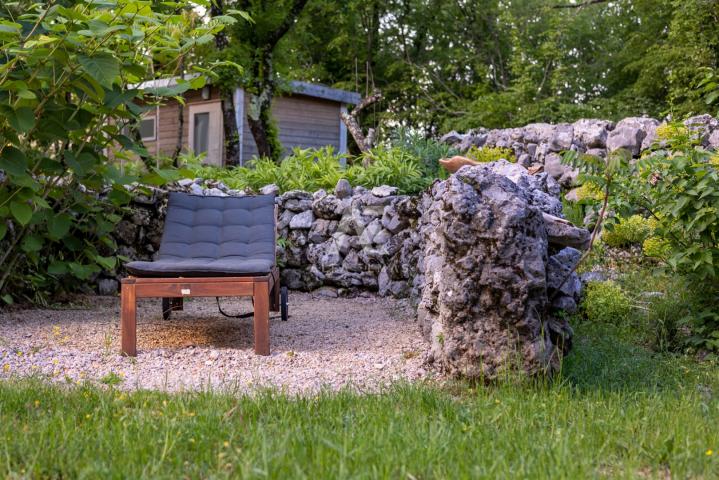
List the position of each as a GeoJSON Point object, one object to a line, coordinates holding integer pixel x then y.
{"type": "Point", "coordinates": [211, 247]}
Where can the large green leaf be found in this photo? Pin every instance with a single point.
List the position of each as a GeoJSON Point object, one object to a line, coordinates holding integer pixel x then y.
{"type": "Point", "coordinates": [104, 68]}
{"type": "Point", "coordinates": [21, 211]}
{"type": "Point", "coordinates": [32, 243]}
{"type": "Point", "coordinates": [21, 119]}
{"type": "Point", "coordinates": [13, 161]}
{"type": "Point", "coordinates": [58, 226]}
{"type": "Point", "coordinates": [108, 263]}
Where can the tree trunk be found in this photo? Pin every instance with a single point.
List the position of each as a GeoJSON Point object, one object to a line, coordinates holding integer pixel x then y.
{"type": "Point", "coordinates": [180, 122]}
{"type": "Point", "coordinates": [231, 130]}
{"type": "Point", "coordinates": [229, 120]}
{"type": "Point", "coordinates": [259, 119]}
{"type": "Point", "coordinates": [259, 116]}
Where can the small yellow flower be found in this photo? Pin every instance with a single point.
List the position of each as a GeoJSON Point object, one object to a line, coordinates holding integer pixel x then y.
{"type": "Point", "coordinates": [37, 403]}
{"type": "Point", "coordinates": [88, 415]}
{"type": "Point", "coordinates": [6, 368]}
{"type": "Point", "coordinates": [709, 453]}
{"type": "Point", "coordinates": [55, 361]}
{"type": "Point", "coordinates": [226, 444]}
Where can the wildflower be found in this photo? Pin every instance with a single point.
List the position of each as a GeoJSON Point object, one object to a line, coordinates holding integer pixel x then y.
{"type": "Point", "coordinates": [55, 361]}
{"type": "Point", "coordinates": [88, 416]}
{"type": "Point", "coordinates": [226, 444]}
{"type": "Point", "coordinates": [6, 368]}
{"type": "Point", "coordinates": [37, 403]}
{"type": "Point", "coordinates": [709, 453]}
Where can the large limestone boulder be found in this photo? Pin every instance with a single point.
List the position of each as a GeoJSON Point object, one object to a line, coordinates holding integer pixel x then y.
{"type": "Point", "coordinates": [485, 280]}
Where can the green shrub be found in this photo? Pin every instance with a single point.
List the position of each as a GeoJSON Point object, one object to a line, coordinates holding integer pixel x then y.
{"type": "Point", "coordinates": [490, 154]}
{"type": "Point", "coordinates": [628, 231]}
{"type": "Point", "coordinates": [314, 169]}
{"type": "Point", "coordinates": [589, 192]}
{"type": "Point", "coordinates": [68, 88]}
{"type": "Point", "coordinates": [606, 302]}
{"type": "Point", "coordinates": [656, 247]}
{"type": "Point", "coordinates": [426, 150]}
{"type": "Point", "coordinates": [393, 166]}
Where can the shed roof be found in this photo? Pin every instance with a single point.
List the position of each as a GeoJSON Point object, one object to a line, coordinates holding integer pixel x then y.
{"type": "Point", "coordinates": [297, 87]}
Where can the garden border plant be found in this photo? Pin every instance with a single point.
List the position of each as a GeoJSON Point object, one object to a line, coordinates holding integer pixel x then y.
{"type": "Point", "coordinates": [67, 91]}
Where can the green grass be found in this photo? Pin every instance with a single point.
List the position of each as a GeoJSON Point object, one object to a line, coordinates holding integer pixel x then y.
{"type": "Point", "coordinates": [616, 411]}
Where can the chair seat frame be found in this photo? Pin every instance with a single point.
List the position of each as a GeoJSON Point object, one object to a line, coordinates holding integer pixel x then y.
{"type": "Point", "coordinates": [264, 290]}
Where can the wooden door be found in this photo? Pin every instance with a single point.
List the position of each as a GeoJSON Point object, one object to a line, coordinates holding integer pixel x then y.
{"type": "Point", "coordinates": [206, 132]}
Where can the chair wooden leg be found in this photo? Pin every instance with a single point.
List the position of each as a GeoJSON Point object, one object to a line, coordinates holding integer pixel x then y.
{"type": "Point", "coordinates": [275, 298]}
{"type": "Point", "coordinates": [177, 304]}
{"type": "Point", "coordinates": [261, 299]}
{"type": "Point", "coordinates": [128, 319]}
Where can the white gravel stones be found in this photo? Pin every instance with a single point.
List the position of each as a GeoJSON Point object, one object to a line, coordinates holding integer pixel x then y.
{"type": "Point", "coordinates": [327, 342]}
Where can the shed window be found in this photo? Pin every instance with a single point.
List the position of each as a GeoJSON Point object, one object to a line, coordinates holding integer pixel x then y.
{"type": "Point", "coordinates": [147, 128]}
{"type": "Point", "coordinates": [201, 132]}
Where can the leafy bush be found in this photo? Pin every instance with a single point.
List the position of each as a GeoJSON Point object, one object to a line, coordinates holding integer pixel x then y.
{"type": "Point", "coordinates": [606, 302]}
{"type": "Point", "coordinates": [656, 247]}
{"type": "Point", "coordinates": [393, 166]}
{"type": "Point", "coordinates": [314, 169]}
{"type": "Point", "coordinates": [628, 231]}
{"type": "Point", "coordinates": [589, 192]}
{"type": "Point", "coordinates": [426, 150]}
{"type": "Point", "coordinates": [65, 98]}
{"type": "Point", "coordinates": [490, 154]}
{"type": "Point", "coordinates": [678, 186]}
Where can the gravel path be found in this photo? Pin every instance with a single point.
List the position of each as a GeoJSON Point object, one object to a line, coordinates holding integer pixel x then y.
{"type": "Point", "coordinates": [364, 342]}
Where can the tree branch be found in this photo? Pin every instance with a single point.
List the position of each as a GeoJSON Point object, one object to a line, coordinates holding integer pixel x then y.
{"type": "Point", "coordinates": [286, 24]}
{"type": "Point", "coordinates": [351, 120]}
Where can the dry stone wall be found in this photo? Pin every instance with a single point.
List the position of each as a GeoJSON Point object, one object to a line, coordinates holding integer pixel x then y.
{"type": "Point", "coordinates": [537, 146]}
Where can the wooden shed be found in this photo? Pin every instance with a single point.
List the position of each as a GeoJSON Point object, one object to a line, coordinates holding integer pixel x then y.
{"type": "Point", "coordinates": [307, 116]}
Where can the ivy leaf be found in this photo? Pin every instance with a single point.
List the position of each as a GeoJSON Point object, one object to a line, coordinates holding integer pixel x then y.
{"type": "Point", "coordinates": [58, 226]}
{"type": "Point", "coordinates": [21, 211]}
{"type": "Point", "coordinates": [104, 68]}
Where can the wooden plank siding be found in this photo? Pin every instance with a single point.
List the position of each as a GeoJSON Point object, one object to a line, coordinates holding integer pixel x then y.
{"type": "Point", "coordinates": [304, 121]}
{"type": "Point", "coordinates": [169, 121]}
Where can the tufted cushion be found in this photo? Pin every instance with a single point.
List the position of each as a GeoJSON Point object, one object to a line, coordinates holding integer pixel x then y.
{"type": "Point", "coordinates": [214, 236]}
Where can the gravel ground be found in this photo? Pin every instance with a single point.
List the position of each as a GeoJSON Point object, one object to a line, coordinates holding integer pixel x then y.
{"type": "Point", "coordinates": [364, 342]}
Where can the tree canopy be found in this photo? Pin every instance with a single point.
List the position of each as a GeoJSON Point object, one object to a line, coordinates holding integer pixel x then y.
{"type": "Point", "coordinates": [467, 63]}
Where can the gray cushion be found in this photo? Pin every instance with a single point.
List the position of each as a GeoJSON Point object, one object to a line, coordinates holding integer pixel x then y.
{"type": "Point", "coordinates": [214, 236]}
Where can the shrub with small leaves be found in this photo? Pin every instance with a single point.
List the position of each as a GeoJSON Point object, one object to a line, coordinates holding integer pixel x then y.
{"type": "Point", "coordinates": [628, 231]}
{"type": "Point", "coordinates": [606, 302]}
{"type": "Point", "coordinates": [656, 247]}
{"type": "Point", "coordinates": [589, 192]}
{"type": "Point", "coordinates": [490, 154]}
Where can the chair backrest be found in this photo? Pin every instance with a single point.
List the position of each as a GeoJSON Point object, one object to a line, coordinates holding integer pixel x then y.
{"type": "Point", "coordinates": [200, 227]}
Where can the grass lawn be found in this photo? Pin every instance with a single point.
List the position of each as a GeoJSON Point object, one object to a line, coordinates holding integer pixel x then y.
{"type": "Point", "coordinates": [616, 411]}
